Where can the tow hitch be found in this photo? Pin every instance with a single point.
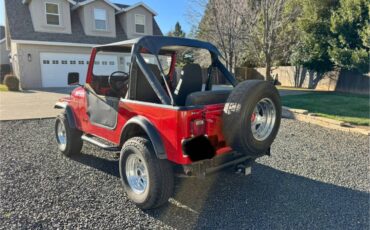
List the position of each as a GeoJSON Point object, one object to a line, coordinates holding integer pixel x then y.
{"type": "Point", "coordinates": [245, 168]}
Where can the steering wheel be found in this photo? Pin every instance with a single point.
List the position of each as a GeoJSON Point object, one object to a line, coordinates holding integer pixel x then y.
{"type": "Point", "coordinates": [118, 81]}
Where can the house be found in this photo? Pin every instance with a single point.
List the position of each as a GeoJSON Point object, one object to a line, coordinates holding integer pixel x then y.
{"type": "Point", "coordinates": [49, 38]}
{"type": "Point", "coordinates": [4, 54]}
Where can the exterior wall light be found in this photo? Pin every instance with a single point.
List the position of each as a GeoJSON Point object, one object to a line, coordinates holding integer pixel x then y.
{"type": "Point", "coordinates": [29, 57]}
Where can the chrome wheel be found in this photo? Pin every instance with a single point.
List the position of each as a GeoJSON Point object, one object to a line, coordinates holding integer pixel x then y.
{"type": "Point", "coordinates": [136, 173]}
{"type": "Point", "coordinates": [263, 119]}
{"type": "Point", "coordinates": [61, 136]}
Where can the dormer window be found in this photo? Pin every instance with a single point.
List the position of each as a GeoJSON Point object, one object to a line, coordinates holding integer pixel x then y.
{"type": "Point", "coordinates": [139, 23]}
{"type": "Point", "coordinates": [52, 14]}
{"type": "Point", "coordinates": [100, 16]}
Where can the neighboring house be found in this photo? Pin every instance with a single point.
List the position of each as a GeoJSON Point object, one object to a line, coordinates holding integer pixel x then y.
{"type": "Point", "coordinates": [49, 38]}
{"type": "Point", "coordinates": [4, 53]}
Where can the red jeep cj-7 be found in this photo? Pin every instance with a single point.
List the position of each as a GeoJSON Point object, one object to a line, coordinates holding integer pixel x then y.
{"type": "Point", "coordinates": [162, 122]}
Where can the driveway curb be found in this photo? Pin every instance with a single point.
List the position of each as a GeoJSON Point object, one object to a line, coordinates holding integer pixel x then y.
{"type": "Point", "coordinates": [305, 116]}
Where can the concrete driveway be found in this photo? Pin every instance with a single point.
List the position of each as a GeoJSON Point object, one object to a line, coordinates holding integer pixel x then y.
{"type": "Point", "coordinates": [30, 104]}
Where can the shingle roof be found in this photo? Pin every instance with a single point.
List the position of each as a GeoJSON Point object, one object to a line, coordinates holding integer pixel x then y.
{"type": "Point", "coordinates": [120, 5]}
{"type": "Point", "coordinates": [117, 4]}
{"type": "Point", "coordinates": [156, 29]}
{"type": "Point", "coordinates": [21, 28]}
{"type": "Point", "coordinates": [2, 32]}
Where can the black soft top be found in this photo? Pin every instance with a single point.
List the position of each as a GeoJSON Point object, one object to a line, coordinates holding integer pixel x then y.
{"type": "Point", "coordinates": [155, 44]}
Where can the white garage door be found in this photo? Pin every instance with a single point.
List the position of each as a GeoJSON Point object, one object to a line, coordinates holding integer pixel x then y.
{"type": "Point", "coordinates": [56, 66]}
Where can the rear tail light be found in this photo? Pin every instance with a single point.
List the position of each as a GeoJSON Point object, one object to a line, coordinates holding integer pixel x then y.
{"type": "Point", "coordinates": [197, 127]}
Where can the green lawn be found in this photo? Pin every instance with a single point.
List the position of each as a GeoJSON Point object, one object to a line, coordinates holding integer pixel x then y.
{"type": "Point", "coordinates": [350, 108]}
{"type": "Point", "coordinates": [3, 87]}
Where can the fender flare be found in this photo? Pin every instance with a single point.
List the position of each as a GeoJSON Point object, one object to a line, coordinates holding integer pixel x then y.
{"type": "Point", "coordinates": [150, 130]}
{"type": "Point", "coordinates": [68, 112]}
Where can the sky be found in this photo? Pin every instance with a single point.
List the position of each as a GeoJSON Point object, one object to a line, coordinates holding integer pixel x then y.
{"type": "Point", "coordinates": [169, 12]}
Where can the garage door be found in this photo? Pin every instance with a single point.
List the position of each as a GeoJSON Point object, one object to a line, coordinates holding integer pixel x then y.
{"type": "Point", "coordinates": [56, 66]}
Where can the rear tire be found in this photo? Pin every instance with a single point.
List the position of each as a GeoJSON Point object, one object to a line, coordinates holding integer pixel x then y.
{"type": "Point", "coordinates": [148, 181]}
{"type": "Point", "coordinates": [68, 139]}
{"type": "Point", "coordinates": [250, 102]}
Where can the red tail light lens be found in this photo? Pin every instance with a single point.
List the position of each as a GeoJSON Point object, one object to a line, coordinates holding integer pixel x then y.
{"type": "Point", "coordinates": [197, 127]}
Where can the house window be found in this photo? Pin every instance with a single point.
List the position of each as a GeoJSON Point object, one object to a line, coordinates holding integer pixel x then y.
{"type": "Point", "coordinates": [111, 63]}
{"type": "Point", "coordinates": [55, 62]}
{"type": "Point", "coordinates": [52, 14]}
{"type": "Point", "coordinates": [139, 23]}
{"type": "Point", "coordinates": [121, 60]}
{"type": "Point", "coordinates": [72, 62]}
{"type": "Point", "coordinates": [100, 16]}
{"type": "Point", "coordinates": [81, 62]}
{"type": "Point", "coordinates": [64, 62]}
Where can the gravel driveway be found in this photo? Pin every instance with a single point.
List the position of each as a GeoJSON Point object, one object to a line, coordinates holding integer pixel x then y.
{"type": "Point", "coordinates": [316, 178]}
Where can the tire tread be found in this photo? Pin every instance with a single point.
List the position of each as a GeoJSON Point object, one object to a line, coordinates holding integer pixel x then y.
{"type": "Point", "coordinates": [162, 172]}
{"type": "Point", "coordinates": [74, 141]}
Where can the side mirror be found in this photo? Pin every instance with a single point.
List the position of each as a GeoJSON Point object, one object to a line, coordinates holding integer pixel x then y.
{"type": "Point", "coordinates": [73, 78]}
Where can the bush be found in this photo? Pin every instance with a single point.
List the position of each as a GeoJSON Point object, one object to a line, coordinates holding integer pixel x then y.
{"type": "Point", "coordinates": [12, 82]}
{"type": "Point", "coordinates": [4, 70]}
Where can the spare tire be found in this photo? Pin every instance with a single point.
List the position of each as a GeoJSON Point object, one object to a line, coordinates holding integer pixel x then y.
{"type": "Point", "coordinates": [251, 117]}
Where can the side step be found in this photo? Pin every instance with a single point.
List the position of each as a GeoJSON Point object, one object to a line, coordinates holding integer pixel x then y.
{"type": "Point", "coordinates": [89, 139]}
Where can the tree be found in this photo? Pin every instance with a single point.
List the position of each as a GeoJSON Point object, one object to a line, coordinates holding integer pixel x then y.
{"type": "Point", "coordinates": [333, 33]}
{"type": "Point", "coordinates": [249, 31]}
{"type": "Point", "coordinates": [177, 32]}
{"type": "Point", "coordinates": [313, 25]}
{"type": "Point", "coordinates": [272, 36]}
{"type": "Point", "coordinates": [225, 23]}
{"type": "Point", "coordinates": [349, 46]}
{"type": "Point", "coordinates": [184, 56]}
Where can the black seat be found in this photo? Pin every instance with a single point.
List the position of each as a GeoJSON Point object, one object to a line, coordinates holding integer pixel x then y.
{"type": "Point", "coordinates": [144, 91]}
{"type": "Point", "coordinates": [207, 97]}
{"type": "Point", "coordinates": [190, 81]}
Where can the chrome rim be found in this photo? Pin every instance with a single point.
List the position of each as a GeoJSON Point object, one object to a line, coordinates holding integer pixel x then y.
{"type": "Point", "coordinates": [136, 173]}
{"type": "Point", "coordinates": [61, 135]}
{"type": "Point", "coordinates": [263, 119]}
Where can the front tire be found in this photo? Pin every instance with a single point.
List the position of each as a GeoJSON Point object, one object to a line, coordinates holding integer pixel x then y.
{"type": "Point", "coordinates": [68, 139]}
{"type": "Point", "coordinates": [148, 181]}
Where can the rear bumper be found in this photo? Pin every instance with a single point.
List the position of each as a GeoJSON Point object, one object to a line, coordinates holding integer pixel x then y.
{"type": "Point", "coordinates": [204, 167]}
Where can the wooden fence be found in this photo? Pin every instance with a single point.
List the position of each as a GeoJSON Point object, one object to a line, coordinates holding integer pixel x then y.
{"type": "Point", "coordinates": [291, 76]}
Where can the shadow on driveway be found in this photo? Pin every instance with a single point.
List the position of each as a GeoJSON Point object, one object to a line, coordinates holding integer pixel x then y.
{"type": "Point", "coordinates": [105, 165]}
{"type": "Point", "coordinates": [268, 199]}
